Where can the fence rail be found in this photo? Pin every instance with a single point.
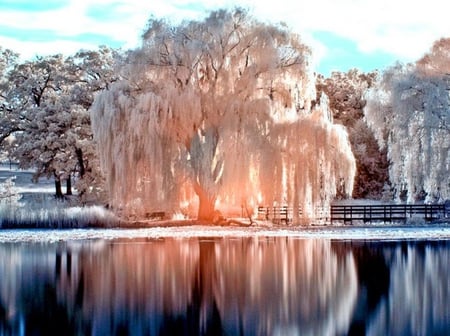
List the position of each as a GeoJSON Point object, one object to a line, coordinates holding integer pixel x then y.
{"type": "Point", "coordinates": [364, 213]}
{"type": "Point", "coordinates": [386, 212]}
{"type": "Point", "coordinates": [278, 214]}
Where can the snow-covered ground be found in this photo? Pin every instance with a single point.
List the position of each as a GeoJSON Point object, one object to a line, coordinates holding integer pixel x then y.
{"type": "Point", "coordinates": [31, 192]}
{"type": "Point", "coordinates": [197, 231]}
{"type": "Point", "coordinates": [40, 196]}
{"type": "Point", "coordinates": [37, 205]}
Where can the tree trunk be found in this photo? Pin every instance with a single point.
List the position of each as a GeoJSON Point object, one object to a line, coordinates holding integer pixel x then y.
{"type": "Point", "coordinates": [206, 207]}
{"type": "Point", "coordinates": [58, 189]}
{"type": "Point", "coordinates": [69, 185]}
{"type": "Point", "coordinates": [82, 168]}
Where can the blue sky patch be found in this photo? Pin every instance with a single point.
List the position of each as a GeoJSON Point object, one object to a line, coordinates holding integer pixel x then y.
{"type": "Point", "coordinates": [106, 20]}
{"type": "Point", "coordinates": [32, 5]}
{"type": "Point", "coordinates": [46, 35]}
{"type": "Point", "coordinates": [343, 54]}
{"type": "Point", "coordinates": [107, 12]}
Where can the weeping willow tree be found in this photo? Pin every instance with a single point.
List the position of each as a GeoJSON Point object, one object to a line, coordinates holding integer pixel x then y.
{"type": "Point", "coordinates": [409, 111]}
{"type": "Point", "coordinates": [218, 113]}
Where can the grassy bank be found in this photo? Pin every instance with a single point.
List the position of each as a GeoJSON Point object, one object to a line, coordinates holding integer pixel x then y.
{"type": "Point", "coordinates": [57, 217]}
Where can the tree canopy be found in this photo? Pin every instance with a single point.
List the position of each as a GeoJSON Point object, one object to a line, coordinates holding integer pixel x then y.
{"type": "Point", "coordinates": [409, 112]}
{"type": "Point", "coordinates": [220, 113]}
{"type": "Point", "coordinates": [347, 94]}
{"type": "Point", "coordinates": [44, 112]}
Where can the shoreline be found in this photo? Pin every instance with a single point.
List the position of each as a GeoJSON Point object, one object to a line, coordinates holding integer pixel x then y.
{"type": "Point", "coordinates": [109, 223]}
{"type": "Point", "coordinates": [428, 232]}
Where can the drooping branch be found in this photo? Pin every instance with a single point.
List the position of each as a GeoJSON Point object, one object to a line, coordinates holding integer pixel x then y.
{"type": "Point", "coordinates": [9, 132]}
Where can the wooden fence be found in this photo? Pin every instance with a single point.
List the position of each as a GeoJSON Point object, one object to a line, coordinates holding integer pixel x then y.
{"type": "Point", "coordinates": [386, 212]}
{"type": "Point", "coordinates": [364, 213]}
{"type": "Point", "coordinates": [280, 214]}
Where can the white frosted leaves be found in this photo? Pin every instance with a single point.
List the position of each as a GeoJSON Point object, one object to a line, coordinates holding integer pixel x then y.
{"type": "Point", "coordinates": [218, 112]}
{"type": "Point", "coordinates": [409, 112]}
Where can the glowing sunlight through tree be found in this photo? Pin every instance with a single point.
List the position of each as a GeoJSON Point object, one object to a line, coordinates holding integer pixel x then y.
{"type": "Point", "coordinates": [219, 114]}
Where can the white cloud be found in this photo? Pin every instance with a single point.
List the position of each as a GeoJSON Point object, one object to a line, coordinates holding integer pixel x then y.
{"type": "Point", "coordinates": [405, 28]}
{"type": "Point", "coordinates": [28, 50]}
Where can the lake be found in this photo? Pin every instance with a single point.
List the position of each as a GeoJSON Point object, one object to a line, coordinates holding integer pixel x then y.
{"type": "Point", "coordinates": [225, 286]}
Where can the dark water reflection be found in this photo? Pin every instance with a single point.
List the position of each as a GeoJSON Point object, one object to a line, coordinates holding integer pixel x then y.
{"type": "Point", "coordinates": [276, 286]}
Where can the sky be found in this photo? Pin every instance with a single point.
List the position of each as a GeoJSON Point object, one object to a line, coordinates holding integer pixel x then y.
{"type": "Point", "coordinates": [343, 34]}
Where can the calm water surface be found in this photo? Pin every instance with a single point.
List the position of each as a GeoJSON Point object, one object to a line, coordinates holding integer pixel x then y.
{"type": "Point", "coordinates": [229, 286]}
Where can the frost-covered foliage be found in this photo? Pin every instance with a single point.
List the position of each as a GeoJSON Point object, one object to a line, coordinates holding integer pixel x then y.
{"type": "Point", "coordinates": [45, 107]}
{"type": "Point", "coordinates": [9, 122]}
{"type": "Point", "coordinates": [9, 198]}
{"type": "Point", "coordinates": [8, 192]}
{"type": "Point", "coordinates": [219, 109]}
{"type": "Point", "coordinates": [346, 92]}
{"type": "Point", "coordinates": [409, 112]}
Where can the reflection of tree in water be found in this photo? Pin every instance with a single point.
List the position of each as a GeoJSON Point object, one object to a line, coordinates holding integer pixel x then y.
{"type": "Point", "coordinates": [45, 314]}
{"type": "Point", "coordinates": [139, 287]}
{"type": "Point", "coordinates": [224, 286]}
{"type": "Point", "coordinates": [267, 286]}
{"type": "Point", "coordinates": [5, 328]}
{"type": "Point", "coordinates": [418, 302]}
{"type": "Point", "coordinates": [403, 288]}
{"type": "Point", "coordinates": [283, 286]}
{"type": "Point", "coordinates": [202, 316]}
{"type": "Point", "coordinates": [373, 283]}
{"type": "Point", "coordinates": [35, 307]}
